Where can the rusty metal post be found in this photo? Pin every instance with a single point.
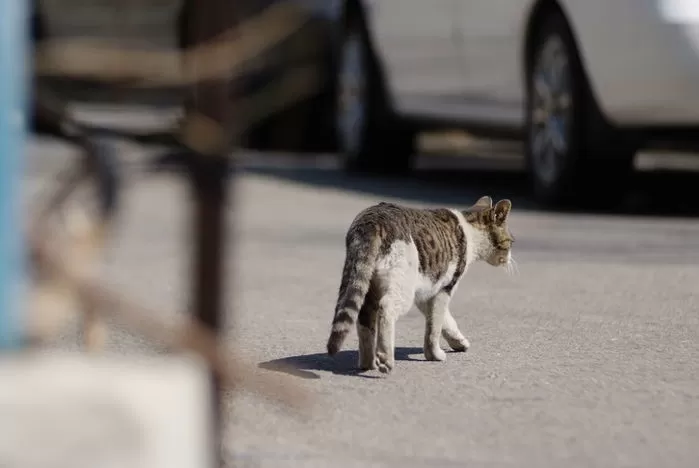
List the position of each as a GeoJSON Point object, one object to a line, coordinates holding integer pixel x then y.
{"type": "Point", "coordinates": [204, 131]}
{"type": "Point", "coordinates": [209, 190]}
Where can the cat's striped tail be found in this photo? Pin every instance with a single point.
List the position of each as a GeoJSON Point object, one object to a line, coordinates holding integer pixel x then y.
{"type": "Point", "coordinates": [360, 262]}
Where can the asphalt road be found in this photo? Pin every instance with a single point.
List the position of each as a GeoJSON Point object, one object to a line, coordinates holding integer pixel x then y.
{"type": "Point", "coordinates": [588, 357]}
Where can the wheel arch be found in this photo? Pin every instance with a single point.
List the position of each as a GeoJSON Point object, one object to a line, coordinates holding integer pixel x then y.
{"type": "Point", "coordinates": [537, 14]}
{"type": "Point", "coordinates": [597, 141]}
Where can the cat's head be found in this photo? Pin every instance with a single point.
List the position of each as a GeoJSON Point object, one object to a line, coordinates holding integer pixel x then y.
{"type": "Point", "coordinates": [495, 239]}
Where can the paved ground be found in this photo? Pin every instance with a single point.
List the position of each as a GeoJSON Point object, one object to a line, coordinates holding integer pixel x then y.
{"type": "Point", "coordinates": [588, 357]}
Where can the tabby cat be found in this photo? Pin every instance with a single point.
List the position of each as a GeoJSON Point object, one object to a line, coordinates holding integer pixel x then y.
{"type": "Point", "coordinates": [398, 256]}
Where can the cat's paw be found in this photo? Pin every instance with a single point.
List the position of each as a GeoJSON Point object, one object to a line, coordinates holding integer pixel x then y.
{"type": "Point", "coordinates": [459, 346]}
{"type": "Point", "coordinates": [383, 364]}
{"type": "Point", "coordinates": [435, 354]}
{"type": "Point", "coordinates": [367, 364]}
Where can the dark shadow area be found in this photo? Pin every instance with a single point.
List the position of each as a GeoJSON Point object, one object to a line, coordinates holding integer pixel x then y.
{"type": "Point", "coordinates": [650, 193]}
{"type": "Point", "coordinates": [434, 186]}
{"type": "Point", "coordinates": [343, 363]}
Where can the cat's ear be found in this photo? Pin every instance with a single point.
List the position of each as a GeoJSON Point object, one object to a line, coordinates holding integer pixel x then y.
{"type": "Point", "coordinates": [483, 203]}
{"type": "Point", "coordinates": [501, 210]}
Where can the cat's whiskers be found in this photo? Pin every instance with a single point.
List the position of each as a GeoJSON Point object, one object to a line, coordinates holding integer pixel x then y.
{"type": "Point", "coordinates": [511, 266]}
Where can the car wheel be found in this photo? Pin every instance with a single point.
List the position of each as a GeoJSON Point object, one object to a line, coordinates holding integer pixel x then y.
{"type": "Point", "coordinates": [370, 137]}
{"type": "Point", "coordinates": [574, 157]}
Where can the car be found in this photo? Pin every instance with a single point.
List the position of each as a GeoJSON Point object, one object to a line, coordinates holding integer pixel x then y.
{"type": "Point", "coordinates": [582, 84]}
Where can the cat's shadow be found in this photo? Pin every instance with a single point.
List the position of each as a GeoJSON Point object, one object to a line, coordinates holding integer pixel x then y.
{"type": "Point", "coordinates": [343, 363]}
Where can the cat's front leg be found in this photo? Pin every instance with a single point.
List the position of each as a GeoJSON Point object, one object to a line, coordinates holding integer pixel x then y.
{"type": "Point", "coordinates": [435, 311]}
{"type": "Point", "coordinates": [452, 334]}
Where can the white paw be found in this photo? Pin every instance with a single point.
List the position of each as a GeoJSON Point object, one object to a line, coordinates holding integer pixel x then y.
{"type": "Point", "coordinates": [383, 364]}
{"type": "Point", "coordinates": [460, 345]}
{"type": "Point", "coordinates": [435, 354]}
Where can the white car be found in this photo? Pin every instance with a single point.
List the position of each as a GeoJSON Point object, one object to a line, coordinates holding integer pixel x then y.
{"type": "Point", "coordinates": [584, 83]}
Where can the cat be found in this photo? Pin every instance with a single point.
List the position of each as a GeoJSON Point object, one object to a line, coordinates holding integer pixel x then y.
{"type": "Point", "coordinates": [398, 256]}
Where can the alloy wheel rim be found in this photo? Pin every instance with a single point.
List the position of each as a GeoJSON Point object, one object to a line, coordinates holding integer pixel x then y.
{"type": "Point", "coordinates": [550, 109]}
{"type": "Point", "coordinates": [351, 116]}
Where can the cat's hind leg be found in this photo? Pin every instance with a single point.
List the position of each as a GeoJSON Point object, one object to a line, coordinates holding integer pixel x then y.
{"type": "Point", "coordinates": [397, 276]}
{"type": "Point", "coordinates": [396, 302]}
{"type": "Point", "coordinates": [366, 328]}
{"type": "Point", "coordinates": [386, 339]}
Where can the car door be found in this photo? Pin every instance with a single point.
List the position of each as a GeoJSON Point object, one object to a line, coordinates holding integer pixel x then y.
{"type": "Point", "coordinates": [416, 41]}
{"type": "Point", "coordinates": [491, 54]}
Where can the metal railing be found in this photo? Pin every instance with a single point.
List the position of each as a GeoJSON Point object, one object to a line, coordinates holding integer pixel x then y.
{"type": "Point", "coordinates": [62, 267]}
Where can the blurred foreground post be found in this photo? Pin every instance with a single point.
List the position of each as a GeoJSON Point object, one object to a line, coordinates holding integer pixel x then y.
{"type": "Point", "coordinates": [205, 133]}
{"type": "Point", "coordinates": [209, 193]}
{"type": "Point", "coordinates": [214, 48]}
{"type": "Point", "coordinates": [13, 47]}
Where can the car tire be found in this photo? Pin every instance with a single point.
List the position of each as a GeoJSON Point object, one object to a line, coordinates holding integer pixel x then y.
{"type": "Point", "coordinates": [370, 137]}
{"type": "Point", "coordinates": [574, 156]}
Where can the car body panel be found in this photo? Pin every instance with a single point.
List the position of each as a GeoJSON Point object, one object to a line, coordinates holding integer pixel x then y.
{"type": "Point", "coordinates": [422, 56]}
{"type": "Point", "coordinates": [642, 65]}
{"type": "Point", "coordinates": [423, 61]}
{"type": "Point", "coordinates": [492, 33]}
